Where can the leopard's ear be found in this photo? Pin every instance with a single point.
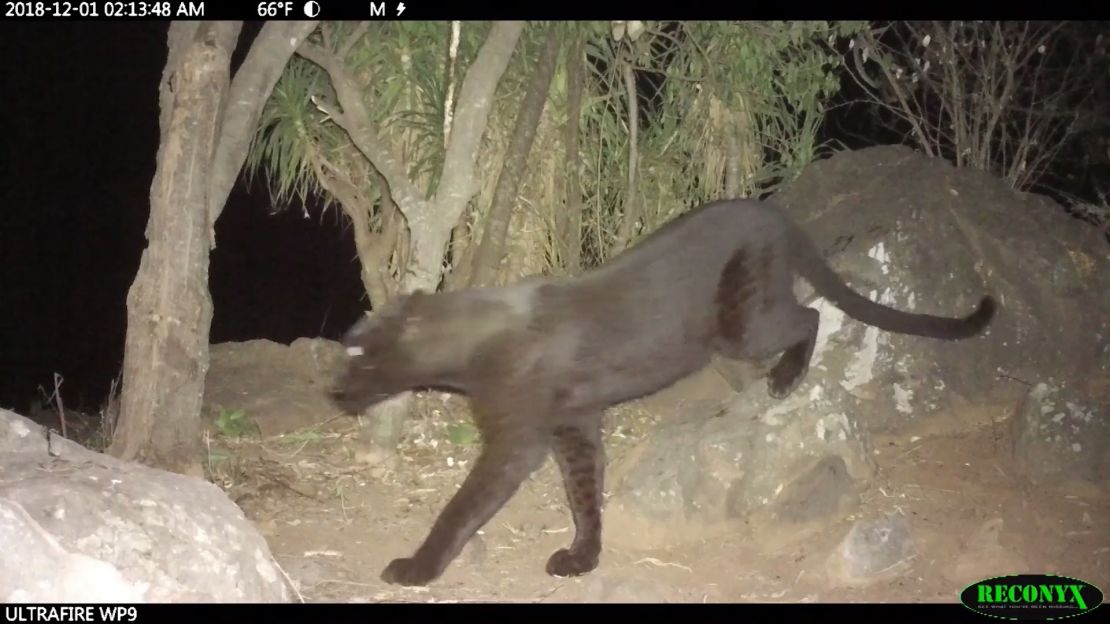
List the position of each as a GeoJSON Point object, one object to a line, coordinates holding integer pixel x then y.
{"type": "Point", "coordinates": [401, 307]}
{"type": "Point", "coordinates": [359, 329]}
{"type": "Point", "coordinates": [397, 306]}
{"type": "Point", "coordinates": [413, 314]}
{"type": "Point", "coordinates": [410, 304]}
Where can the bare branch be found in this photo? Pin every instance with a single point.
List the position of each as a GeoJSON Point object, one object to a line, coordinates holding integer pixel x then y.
{"type": "Point", "coordinates": [1002, 100]}
{"type": "Point", "coordinates": [250, 88]}
{"type": "Point", "coordinates": [368, 245]}
{"type": "Point", "coordinates": [903, 100]}
{"type": "Point", "coordinates": [352, 39]}
{"type": "Point", "coordinates": [355, 121]}
{"type": "Point", "coordinates": [487, 259]}
{"type": "Point", "coordinates": [475, 100]}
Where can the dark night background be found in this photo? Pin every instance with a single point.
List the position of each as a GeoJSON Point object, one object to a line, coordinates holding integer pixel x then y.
{"type": "Point", "coordinates": [79, 142]}
{"type": "Point", "coordinates": [81, 115]}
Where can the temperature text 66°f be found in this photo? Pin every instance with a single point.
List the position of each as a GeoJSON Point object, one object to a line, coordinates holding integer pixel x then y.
{"type": "Point", "coordinates": [275, 9]}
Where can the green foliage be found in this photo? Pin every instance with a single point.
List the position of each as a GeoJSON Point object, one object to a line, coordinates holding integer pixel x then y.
{"type": "Point", "coordinates": [761, 85]}
{"type": "Point", "coordinates": [710, 93]}
{"type": "Point", "coordinates": [235, 424]}
{"type": "Point", "coordinates": [401, 69]}
{"type": "Point", "coordinates": [462, 433]}
{"type": "Point", "coordinates": [290, 129]}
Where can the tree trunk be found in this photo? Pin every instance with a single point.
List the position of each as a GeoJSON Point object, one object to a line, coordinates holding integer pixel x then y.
{"type": "Point", "coordinates": [206, 124]}
{"type": "Point", "coordinates": [487, 260]}
{"type": "Point", "coordinates": [169, 310]}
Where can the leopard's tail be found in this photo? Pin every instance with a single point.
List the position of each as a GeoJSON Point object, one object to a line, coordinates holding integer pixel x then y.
{"type": "Point", "coordinates": [812, 266]}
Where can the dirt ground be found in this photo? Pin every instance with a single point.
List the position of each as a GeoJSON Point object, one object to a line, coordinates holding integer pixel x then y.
{"type": "Point", "coordinates": [333, 523]}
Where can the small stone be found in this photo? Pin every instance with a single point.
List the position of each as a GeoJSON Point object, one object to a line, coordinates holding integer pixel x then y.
{"type": "Point", "coordinates": [873, 549]}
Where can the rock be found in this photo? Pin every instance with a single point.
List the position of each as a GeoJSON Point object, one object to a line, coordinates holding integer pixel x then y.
{"type": "Point", "coordinates": [873, 550]}
{"type": "Point", "coordinates": [80, 526]}
{"type": "Point", "coordinates": [823, 491]}
{"type": "Point", "coordinates": [1058, 436]}
{"type": "Point", "coordinates": [280, 388]}
{"type": "Point", "coordinates": [705, 392]}
{"type": "Point", "coordinates": [801, 460]}
{"type": "Point", "coordinates": [924, 236]}
{"type": "Point", "coordinates": [73, 577]}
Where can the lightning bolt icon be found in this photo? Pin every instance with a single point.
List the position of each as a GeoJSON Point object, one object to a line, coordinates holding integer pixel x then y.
{"type": "Point", "coordinates": [400, 8]}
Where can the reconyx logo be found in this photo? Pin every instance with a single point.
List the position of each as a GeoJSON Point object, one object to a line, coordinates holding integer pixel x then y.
{"type": "Point", "coordinates": [1031, 597]}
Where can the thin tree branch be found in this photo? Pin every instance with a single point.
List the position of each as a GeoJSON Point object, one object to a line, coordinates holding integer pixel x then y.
{"type": "Point", "coordinates": [352, 39]}
{"type": "Point", "coordinates": [250, 88]}
{"type": "Point", "coordinates": [355, 121]}
{"type": "Point", "coordinates": [490, 250]}
{"type": "Point", "coordinates": [475, 101]}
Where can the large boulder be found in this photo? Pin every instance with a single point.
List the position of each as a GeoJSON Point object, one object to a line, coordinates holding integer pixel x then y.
{"type": "Point", "coordinates": [791, 463]}
{"type": "Point", "coordinates": [280, 388]}
{"type": "Point", "coordinates": [925, 236]}
{"type": "Point", "coordinates": [1059, 435]}
{"type": "Point", "coordinates": [79, 526]}
{"type": "Point", "coordinates": [920, 235]}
